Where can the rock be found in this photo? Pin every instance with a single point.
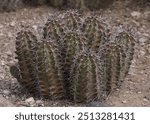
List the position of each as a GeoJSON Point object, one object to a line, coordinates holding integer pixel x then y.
{"type": "Point", "coordinates": [6, 92]}
{"type": "Point", "coordinates": [124, 101]}
{"type": "Point", "coordinates": [143, 39]}
{"type": "Point", "coordinates": [145, 100]}
{"type": "Point", "coordinates": [30, 101]}
{"type": "Point", "coordinates": [12, 24]}
{"type": "Point", "coordinates": [39, 102]}
{"type": "Point", "coordinates": [136, 14]}
{"type": "Point", "coordinates": [35, 27]}
{"type": "Point", "coordinates": [2, 62]}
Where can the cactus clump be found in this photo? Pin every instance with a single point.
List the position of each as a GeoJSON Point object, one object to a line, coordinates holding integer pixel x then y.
{"type": "Point", "coordinates": [75, 60]}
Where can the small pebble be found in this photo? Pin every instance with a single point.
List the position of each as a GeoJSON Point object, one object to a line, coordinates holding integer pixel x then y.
{"type": "Point", "coordinates": [136, 14]}
{"type": "Point", "coordinates": [139, 92]}
{"type": "Point", "coordinates": [30, 101]}
{"type": "Point", "coordinates": [145, 100]}
{"type": "Point", "coordinates": [6, 92]}
{"type": "Point", "coordinates": [124, 102]}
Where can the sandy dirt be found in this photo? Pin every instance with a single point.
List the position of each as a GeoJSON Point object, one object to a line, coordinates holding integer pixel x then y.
{"type": "Point", "coordinates": [135, 91]}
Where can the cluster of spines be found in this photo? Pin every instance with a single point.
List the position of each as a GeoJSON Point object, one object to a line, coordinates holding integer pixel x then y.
{"type": "Point", "coordinates": [72, 21]}
{"type": "Point", "coordinates": [94, 31]}
{"type": "Point", "coordinates": [76, 62]}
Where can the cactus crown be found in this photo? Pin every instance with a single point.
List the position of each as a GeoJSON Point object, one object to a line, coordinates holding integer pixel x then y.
{"type": "Point", "coordinates": [75, 59]}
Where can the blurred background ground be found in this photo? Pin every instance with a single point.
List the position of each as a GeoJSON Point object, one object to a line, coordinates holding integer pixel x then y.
{"type": "Point", "coordinates": [135, 91]}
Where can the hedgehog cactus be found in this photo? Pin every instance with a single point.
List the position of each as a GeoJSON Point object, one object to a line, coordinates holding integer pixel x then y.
{"type": "Point", "coordinates": [94, 31]}
{"type": "Point", "coordinates": [75, 60]}
{"type": "Point", "coordinates": [72, 21]}
{"type": "Point", "coordinates": [112, 66]}
{"type": "Point", "coordinates": [73, 44]}
{"type": "Point", "coordinates": [48, 72]}
{"type": "Point", "coordinates": [84, 83]}
{"type": "Point", "coordinates": [53, 30]}
{"type": "Point", "coordinates": [26, 45]}
{"type": "Point", "coordinates": [126, 43]}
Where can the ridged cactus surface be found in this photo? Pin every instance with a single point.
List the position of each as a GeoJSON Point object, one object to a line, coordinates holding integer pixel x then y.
{"type": "Point", "coordinates": [94, 30]}
{"type": "Point", "coordinates": [26, 46]}
{"type": "Point", "coordinates": [50, 81]}
{"type": "Point", "coordinates": [75, 59]}
{"type": "Point", "coordinates": [84, 75]}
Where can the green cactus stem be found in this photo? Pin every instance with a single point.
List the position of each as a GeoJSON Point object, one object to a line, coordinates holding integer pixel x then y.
{"type": "Point", "coordinates": [26, 44]}
{"type": "Point", "coordinates": [84, 79]}
{"type": "Point", "coordinates": [72, 21]}
{"type": "Point", "coordinates": [127, 44]}
{"type": "Point", "coordinates": [73, 44]}
{"type": "Point", "coordinates": [94, 31]}
{"type": "Point", "coordinates": [50, 77]}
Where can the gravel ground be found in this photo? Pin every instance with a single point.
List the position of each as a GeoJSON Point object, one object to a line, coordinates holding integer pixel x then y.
{"type": "Point", "coordinates": [135, 91]}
